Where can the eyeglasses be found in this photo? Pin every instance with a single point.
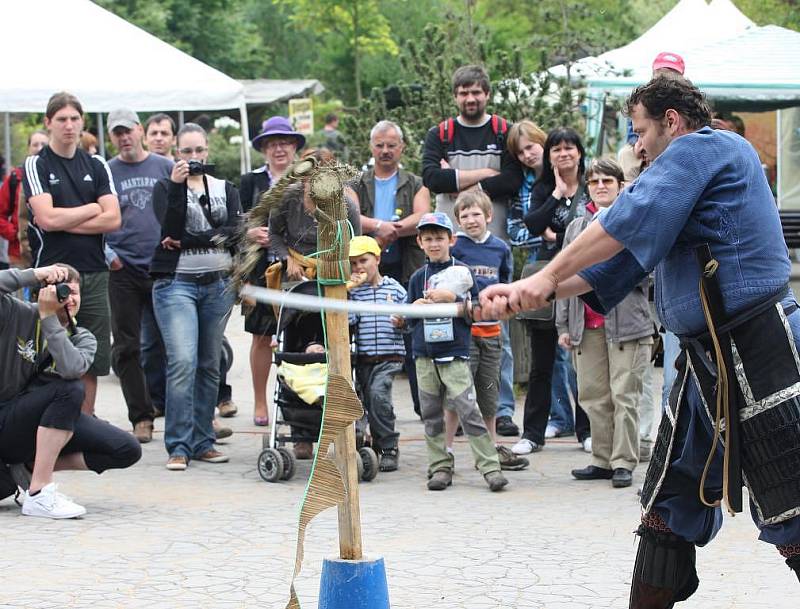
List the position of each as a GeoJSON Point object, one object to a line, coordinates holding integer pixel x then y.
{"type": "Point", "coordinates": [606, 181]}
{"type": "Point", "coordinates": [281, 143]}
{"type": "Point", "coordinates": [196, 150]}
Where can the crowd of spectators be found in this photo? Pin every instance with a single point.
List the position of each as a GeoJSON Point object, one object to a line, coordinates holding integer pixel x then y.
{"type": "Point", "coordinates": [153, 236]}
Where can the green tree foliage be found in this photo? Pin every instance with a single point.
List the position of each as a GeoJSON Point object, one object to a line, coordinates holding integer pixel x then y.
{"type": "Point", "coordinates": [423, 96]}
{"type": "Point", "coordinates": [358, 25]}
{"type": "Point", "coordinates": [216, 32]}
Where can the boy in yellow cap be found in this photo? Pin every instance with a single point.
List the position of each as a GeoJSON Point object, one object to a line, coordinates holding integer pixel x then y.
{"type": "Point", "coordinates": [379, 346]}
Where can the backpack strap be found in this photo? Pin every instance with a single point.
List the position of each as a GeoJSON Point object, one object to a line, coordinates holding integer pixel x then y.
{"type": "Point", "coordinates": [446, 131]}
{"type": "Point", "coordinates": [499, 128]}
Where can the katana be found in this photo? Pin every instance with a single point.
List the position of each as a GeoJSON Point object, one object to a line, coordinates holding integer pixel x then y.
{"type": "Point", "coordinates": [304, 302]}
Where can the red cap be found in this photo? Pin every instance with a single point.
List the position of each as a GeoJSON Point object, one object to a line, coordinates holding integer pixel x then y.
{"type": "Point", "coordinates": [672, 61]}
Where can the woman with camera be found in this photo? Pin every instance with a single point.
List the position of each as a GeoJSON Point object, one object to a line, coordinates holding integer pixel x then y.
{"type": "Point", "coordinates": [199, 216]}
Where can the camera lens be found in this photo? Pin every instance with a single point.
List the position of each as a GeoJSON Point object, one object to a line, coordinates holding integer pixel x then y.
{"type": "Point", "coordinates": [62, 292]}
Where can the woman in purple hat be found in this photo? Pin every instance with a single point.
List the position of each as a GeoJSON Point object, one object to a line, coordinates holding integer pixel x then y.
{"type": "Point", "coordinates": [279, 143]}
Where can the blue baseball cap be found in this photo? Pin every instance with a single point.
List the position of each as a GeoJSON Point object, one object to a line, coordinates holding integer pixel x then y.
{"type": "Point", "coordinates": [436, 218]}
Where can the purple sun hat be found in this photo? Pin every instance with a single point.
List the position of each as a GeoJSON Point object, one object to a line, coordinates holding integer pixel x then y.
{"type": "Point", "coordinates": [277, 125]}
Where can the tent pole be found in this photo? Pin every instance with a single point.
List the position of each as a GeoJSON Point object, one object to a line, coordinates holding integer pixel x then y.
{"type": "Point", "coordinates": [245, 153]}
{"type": "Point", "coordinates": [7, 141]}
{"type": "Point", "coordinates": [101, 135]}
{"type": "Point", "coordinates": [778, 154]}
{"type": "Point", "coordinates": [180, 119]}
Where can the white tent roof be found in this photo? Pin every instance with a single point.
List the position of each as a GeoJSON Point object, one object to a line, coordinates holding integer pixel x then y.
{"type": "Point", "coordinates": [266, 91]}
{"type": "Point", "coordinates": [105, 61]}
{"type": "Point", "coordinates": [756, 70]}
{"type": "Point", "coordinates": [688, 24]}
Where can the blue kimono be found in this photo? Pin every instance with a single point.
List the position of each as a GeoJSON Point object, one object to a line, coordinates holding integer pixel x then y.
{"type": "Point", "coordinates": [707, 187]}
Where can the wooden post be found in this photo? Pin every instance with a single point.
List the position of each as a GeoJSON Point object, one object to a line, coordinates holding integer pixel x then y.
{"type": "Point", "coordinates": [326, 191]}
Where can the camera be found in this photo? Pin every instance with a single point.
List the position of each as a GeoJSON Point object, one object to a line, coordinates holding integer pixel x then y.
{"type": "Point", "coordinates": [198, 168]}
{"type": "Point", "coordinates": [62, 291]}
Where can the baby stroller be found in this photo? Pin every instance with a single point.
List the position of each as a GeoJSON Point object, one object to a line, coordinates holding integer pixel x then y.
{"type": "Point", "coordinates": [299, 393]}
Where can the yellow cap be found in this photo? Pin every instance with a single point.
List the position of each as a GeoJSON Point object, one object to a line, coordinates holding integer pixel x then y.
{"type": "Point", "coordinates": [364, 245]}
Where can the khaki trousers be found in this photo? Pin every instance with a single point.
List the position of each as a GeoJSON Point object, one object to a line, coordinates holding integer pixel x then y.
{"type": "Point", "coordinates": [610, 377]}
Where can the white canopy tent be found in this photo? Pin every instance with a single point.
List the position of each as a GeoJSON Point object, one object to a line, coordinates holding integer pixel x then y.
{"type": "Point", "coordinates": [267, 91]}
{"type": "Point", "coordinates": [117, 65]}
{"type": "Point", "coordinates": [738, 65]}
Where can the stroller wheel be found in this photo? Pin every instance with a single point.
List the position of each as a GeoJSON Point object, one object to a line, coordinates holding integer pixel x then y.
{"type": "Point", "coordinates": [289, 463]}
{"type": "Point", "coordinates": [270, 464]}
{"type": "Point", "coordinates": [369, 463]}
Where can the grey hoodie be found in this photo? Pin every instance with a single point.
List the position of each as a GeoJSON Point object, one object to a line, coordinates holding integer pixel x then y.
{"type": "Point", "coordinates": [25, 339]}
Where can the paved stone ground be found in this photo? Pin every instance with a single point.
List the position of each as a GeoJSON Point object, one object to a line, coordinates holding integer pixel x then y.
{"type": "Point", "coordinates": [218, 537]}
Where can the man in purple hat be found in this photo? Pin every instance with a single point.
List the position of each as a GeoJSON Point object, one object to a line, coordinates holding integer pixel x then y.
{"type": "Point", "coordinates": [279, 143]}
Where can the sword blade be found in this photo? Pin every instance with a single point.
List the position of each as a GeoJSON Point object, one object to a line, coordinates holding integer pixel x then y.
{"type": "Point", "coordinates": [305, 302]}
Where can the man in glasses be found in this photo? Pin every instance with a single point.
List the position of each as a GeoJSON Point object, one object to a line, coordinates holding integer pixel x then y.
{"type": "Point", "coordinates": [135, 172]}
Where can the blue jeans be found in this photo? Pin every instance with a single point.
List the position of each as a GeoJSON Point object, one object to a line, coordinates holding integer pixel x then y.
{"type": "Point", "coordinates": [672, 347]}
{"type": "Point", "coordinates": [192, 319]}
{"type": "Point", "coordinates": [564, 382]}
{"type": "Point", "coordinates": [153, 359]}
{"type": "Point", "coordinates": [505, 405]}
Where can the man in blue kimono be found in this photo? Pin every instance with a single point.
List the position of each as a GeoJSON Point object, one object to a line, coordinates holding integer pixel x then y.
{"type": "Point", "coordinates": [704, 192]}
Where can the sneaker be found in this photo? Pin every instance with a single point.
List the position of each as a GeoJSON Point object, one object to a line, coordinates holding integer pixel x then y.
{"type": "Point", "coordinates": [551, 431]}
{"type": "Point", "coordinates": [592, 472]}
{"type": "Point", "coordinates": [509, 461]}
{"type": "Point", "coordinates": [525, 447]}
{"type": "Point", "coordinates": [440, 480]}
{"type": "Point", "coordinates": [143, 431]}
{"type": "Point", "coordinates": [645, 451]}
{"type": "Point", "coordinates": [177, 463]}
{"type": "Point", "coordinates": [49, 503]}
{"type": "Point", "coordinates": [212, 455]}
{"type": "Point", "coordinates": [495, 480]}
{"type": "Point", "coordinates": [227, 409]}
{"type": "Point", "coordinates": [221, 432]}
{"type": "Point", "coordinates": [21, 475]}
{"type": "Point", "coordinates": [506, 427]}
{"type": "Point", "coordinates": [622, 477]}
{"type": "Point", "coordinates": [586, 444]}
{"type": "Point", "coordinates": [389, 459]}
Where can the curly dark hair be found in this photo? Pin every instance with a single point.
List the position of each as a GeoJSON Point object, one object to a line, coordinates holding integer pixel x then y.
{"type": "Point", "coordinates": [679, 94]}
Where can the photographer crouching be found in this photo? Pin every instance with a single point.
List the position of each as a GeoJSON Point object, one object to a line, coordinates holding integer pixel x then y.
{"type": "Point", "coordinates": [42, 358]}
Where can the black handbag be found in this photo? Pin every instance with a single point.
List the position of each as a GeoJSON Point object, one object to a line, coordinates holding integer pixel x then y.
{"type": "Point", "coordinates": [548, 312]}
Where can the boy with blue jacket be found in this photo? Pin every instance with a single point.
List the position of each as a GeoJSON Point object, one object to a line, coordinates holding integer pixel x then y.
{"type": "Point", "coordinates": [441, 351]}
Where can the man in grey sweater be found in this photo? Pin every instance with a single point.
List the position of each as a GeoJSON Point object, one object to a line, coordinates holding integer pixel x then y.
{"type": "Point", "coordinates": [42, 358]}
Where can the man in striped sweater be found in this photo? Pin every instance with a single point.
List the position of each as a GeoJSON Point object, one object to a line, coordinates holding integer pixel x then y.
{"type": "Point", "coordinates": [379, 346]}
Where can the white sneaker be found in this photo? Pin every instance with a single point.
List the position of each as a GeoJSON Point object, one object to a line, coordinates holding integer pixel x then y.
{"type": "Point", "coordinates": [587, 445]}
{"type": "Point", "coordinates": [49, 503]}
{"type": "Point", "coordinates": [551, 431]}
{"type": "Point", "coordinates": [525, 447]}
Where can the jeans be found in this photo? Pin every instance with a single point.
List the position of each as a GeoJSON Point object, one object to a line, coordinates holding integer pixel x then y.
{"type": "Point", "coordinates": [130, 293]}
{"type": "Point", "coordinates": [153, 359]}
{"type": "Point", "coordinates": [375, 387]}
{"type": "Point", "coordinates": [505, 406]}
{"type": "Point", "coordinates": [192, 319]}
{"type": "Point", "coordinates": [672, 348]}
{"type": "Point", "coordinates": [565, 382]}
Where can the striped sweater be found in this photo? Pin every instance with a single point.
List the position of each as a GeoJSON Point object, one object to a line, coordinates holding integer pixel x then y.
{"type": "Point", "coordinates": [375, 334]}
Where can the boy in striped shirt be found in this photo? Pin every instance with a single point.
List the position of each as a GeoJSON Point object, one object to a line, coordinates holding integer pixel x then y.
{"type": "Point", "coordinates": [379, 346]}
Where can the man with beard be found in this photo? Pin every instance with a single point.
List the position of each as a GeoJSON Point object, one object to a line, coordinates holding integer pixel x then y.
{"type": "Point", "coordinates": [135, 172]}
{"type": "Point", "coordinates": [704, 218]}
{"type": "Point", "coordinates": [469, 151]}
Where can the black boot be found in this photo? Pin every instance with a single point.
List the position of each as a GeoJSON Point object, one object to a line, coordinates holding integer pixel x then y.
{"type": "Point", "coordinates": [664, 573]}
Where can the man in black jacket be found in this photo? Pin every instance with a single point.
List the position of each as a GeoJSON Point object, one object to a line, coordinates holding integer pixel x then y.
{"type": "Point", "coordinates": [42, 358]}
